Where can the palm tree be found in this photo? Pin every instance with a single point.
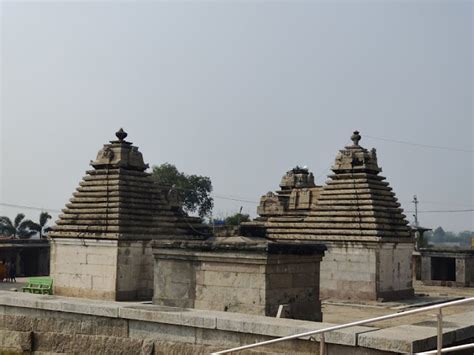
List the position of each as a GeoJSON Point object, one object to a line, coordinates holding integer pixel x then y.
{"type": "Point", "coordinates": [41, 226]}
{"type": "Point", "coordinates": [20, 228]}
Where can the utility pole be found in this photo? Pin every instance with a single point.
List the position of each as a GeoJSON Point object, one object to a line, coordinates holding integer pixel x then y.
{"type": "Point", "coordinates": [415, 201]}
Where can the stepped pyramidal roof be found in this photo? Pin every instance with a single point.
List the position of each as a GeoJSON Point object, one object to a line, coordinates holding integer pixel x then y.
{"type": "Point", "coordinates": [355, 204]}
{"type": "Point", "coordinates": [117, 199]}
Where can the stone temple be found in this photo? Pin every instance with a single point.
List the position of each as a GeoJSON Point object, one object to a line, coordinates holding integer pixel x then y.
{"type": "Point", "coordinates": [356, 215]}
{"type": "Point", "coordinates": [101, 244]}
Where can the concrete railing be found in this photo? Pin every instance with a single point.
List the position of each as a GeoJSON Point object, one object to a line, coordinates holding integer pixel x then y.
{"type": "Point", "coordinates": [322, 332]}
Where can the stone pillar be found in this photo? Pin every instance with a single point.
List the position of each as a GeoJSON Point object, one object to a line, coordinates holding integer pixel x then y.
{"type": "Point", "coordinates": [239, 274]}
{"type": "Point", "coordinates": [461, 272]}
{"type": "Point", "coordinates": [425, 268]}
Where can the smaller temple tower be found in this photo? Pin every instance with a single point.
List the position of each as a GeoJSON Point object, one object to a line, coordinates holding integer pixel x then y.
{"type": "Point", "coordinates": [297, 196]}
{"type": "Point", "coordinates": [101, 244]}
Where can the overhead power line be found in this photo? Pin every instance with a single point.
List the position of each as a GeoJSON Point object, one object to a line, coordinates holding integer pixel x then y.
{"type": "Point", "coordinates": [30, 207]}
{"type": "Point", "coordinates": [234, 199]}
{"type": "Point", "coordinates": [442, 211]}
{"type": "Point", "coordinates": [420, 145]}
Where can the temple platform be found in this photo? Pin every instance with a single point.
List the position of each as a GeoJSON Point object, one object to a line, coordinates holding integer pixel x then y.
{"type": "Point", "coordinates": [57, 324]}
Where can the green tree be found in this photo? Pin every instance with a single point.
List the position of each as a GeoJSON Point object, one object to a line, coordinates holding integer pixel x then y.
{"type": "Point", "coordinates": [236, 219]}
{"type": "Point", "coordinates": [41, 227]}
{"type": "Point", "coordinates": [20, 228]}
{"type": "Point", "coordinates": [193, 190]}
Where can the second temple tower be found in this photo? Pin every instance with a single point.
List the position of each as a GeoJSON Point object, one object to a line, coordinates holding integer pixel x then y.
{"type": "Point", "coordinates": [356, 215]}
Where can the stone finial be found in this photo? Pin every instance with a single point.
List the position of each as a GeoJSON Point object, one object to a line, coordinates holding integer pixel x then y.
{"type": "Point", "coordinates": [356, 138]}
{"type": "Point", "coordinates": [121, 134]}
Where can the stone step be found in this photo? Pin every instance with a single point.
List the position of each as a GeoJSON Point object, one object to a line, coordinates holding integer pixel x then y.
{"type": "Point", "coordinates": [352, 191]}
{"type": "Point", "coordinates": [91, 216]}
{"type": "Point", "coordinates": [357, 176]}
{"type": "Point", "coordinates": [127, 223]}
{"type": "Point", "coordinates": [350, 186]}
{"type": "Point", "coordinates": [115, 180]}
{"type": "Point", "coordinates": [109, 188]}
{"type": "Point", "coordinates": [92, 200]}
{"type": "Point", "coordinates": [356, 218]}
{"type": "Point", "coordinates": [379, 212]}
{"type": "Point", "coordinates": [327, 237]}
{"type": "Point", "coordinates": [359, 202]}
{"type": "Point", "coordinates": [151, 196]}
{"type": "Point", "coordinates": [117, 171]}
{"type": "Point", "coordinates": [339, 225]}
{"type": "Point", "coordinates": [346, 196]}
{"type": "Point", "coordinates": [341, 232]}
{"type": "Point", "coordinates": [123, 204]}
{"type": "Point", "coordinates": [119, 209]}
{"type": "Point", "coordinates": [125, 229]}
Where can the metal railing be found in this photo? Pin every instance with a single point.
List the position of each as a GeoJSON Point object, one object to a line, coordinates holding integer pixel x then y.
{"type": "Point", "coordinates": [322, 332]}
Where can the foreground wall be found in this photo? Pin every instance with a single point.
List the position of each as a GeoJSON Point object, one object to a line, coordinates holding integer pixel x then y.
{"type": "Point", "coordinates": [53, 324]}
{"type": "Point", "coordinates": [102, 269]}
{"type": "Point", "coordinates": [367, 270]}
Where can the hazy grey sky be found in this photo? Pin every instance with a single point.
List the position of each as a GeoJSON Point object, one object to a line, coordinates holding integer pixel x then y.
{"type": "Point", "coordinates": [241, 92]}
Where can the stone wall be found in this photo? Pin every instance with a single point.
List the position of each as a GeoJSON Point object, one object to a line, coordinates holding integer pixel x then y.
{"type": "Point", "coordinates": [463, 275]}
{"type": "Point", "coordinates": [53, 324]}
{"type": "Point", "coordinates": [395, 265]}
{"type": "Point", "coordinates": [238, 281]}
{"type": "Point", "coordinates": [102, 269]}
{"type": "Point", "coordinates": [135, 270]}
{"type": "Point", "coordinates": [365, 270]}
{"type": "Point", "coordinates": [84, 268]}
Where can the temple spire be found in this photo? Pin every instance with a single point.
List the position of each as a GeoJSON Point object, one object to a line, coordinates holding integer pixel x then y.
{"type": "Point", "coordinates": [356, 138]}
{"type": "Point", "coordinates": [121, 134]}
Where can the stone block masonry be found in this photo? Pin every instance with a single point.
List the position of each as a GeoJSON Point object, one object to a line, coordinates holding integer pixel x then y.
{"type": "Point", "coordinates": [356, 215]}
{"type": "Point", "coordinates": [239, 274]}
{"type": "Point", "coordinates": [101, 244]}
{"type": "Point", "coordinates": [53, 324]}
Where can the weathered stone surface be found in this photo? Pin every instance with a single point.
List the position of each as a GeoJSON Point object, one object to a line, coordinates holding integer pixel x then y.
{"type": "Point", "coordinates": [355, 210]}
{"type": "Point", "coordinates": [173, 330]}
{"type": "Point", "coordinates": [245, 278]}
{"type": "Point", "coordinates": [12, 341]}
{"type": "Point", "coordinates": [86, 344]}
{"type": "Point", "coordinates": [101, 240]}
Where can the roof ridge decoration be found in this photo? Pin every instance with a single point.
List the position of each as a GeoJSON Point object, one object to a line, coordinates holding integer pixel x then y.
{"type": "Point", "coordinates": [120, 154]}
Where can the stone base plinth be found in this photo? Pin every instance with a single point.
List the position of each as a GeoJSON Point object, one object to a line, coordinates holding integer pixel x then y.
{"type": "Point", "coordinates": [237, 274]}
{"type": "Point", "coordinates": [102, 269]}
{"type": "Point", "coordinates": [367, 271]}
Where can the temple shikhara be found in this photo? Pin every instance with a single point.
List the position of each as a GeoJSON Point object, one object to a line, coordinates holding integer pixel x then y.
{"type": "Point", "coordinates": [101, 244]}
{"type": "Point", "coordinates": [356, 215]}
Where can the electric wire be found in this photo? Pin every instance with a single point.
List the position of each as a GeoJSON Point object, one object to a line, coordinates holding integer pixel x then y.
{"type": "Point", "coordinates": [419, 144]}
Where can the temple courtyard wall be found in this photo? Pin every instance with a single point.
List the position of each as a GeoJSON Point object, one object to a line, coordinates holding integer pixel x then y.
{"type": "Point", "coordinates": [54, 324]}
{"type": "Point", "coordinates": [102, 269]}
{"type": "Point", "coordinates": [366, 271]}
{"type": "Point", "coordinates": [447, 267]}
{"type": "Point", "coordinates": [240, 281]}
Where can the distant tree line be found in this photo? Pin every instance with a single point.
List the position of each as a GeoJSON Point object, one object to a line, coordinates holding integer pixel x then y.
{"type": "Point", "coordinates": [439, 235]}
{"type": "Point", "coordinates": [23, 228]}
